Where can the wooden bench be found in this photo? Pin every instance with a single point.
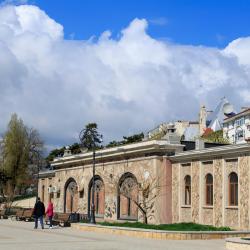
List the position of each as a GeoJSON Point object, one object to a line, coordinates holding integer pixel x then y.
{"type": "Point", "coordinates": [62, 219]}
{"type": "Point", "coordinates": [28, 214]}
{"type": "Point", "coordinates": [3, 214]}
{"type": "Point", "coordinates": [19, 214]}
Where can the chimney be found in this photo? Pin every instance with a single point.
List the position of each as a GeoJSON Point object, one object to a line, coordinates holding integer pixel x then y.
{"type": "Point", "coordinates": [202, 119]}
{"type": "Point", "coordinates": [199, 144]}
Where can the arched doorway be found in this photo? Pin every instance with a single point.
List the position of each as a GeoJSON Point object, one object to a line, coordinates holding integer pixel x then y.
{"type": "Point", "coordinates": [70, 196]}
{"type": "Point", "coordinates": [127, 197]}
{"type": "Point", "coordinates": [99, 199]}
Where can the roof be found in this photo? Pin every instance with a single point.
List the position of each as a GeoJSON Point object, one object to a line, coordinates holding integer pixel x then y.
{"type": "Point", "coordinates": [244, 112]}
{"type": "Point", "coordinates": [108, 154]}
{"type": "Point", "coordinates": [228, 151]}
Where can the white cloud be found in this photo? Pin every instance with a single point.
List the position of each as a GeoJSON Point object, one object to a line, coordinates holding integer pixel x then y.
{"type": "Point", "coordinates": [126, 85]}
{"type": "Point", "coordinates": [13, 2]}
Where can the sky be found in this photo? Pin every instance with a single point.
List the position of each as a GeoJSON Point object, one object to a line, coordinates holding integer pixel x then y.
{"type": "Point", "coordinates": [127, 65]}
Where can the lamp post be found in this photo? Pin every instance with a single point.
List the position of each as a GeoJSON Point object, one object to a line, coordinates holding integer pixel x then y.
{"type": "Point", "coordinates": [92, 215]}
{"type": "Point", "coordinates": [90, 138]}
{"type": "Point", "coordinates": [37, 182]}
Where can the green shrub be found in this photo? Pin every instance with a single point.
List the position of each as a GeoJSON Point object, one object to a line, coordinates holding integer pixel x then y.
{"type": "Point", "coordinates": [168, 227]}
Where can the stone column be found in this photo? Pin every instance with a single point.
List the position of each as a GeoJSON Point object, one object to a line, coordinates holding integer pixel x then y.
{"type": "Point", "coordinates": [195, 191]}
{"type": "Point", "coordinates": [175, 193]}
{"type": "Point", "coordinates": [218, 193]}
{"type": "Point", "coordinates": [243, 168]}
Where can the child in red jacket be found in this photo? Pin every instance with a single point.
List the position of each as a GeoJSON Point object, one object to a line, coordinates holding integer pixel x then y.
{"type": "Point", "coordinates": [50, 213]}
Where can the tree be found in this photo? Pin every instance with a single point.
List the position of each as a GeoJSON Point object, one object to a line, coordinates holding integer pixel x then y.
{"type": "Point", "coordinates": [148, 187]}
{"type": "Point", "coordinates": [148, 190]}
{"type": "Point", "coordinates": [214, 136]}
{"type": "Point", "coordinates": [75, 148]}
{"type": "Point", "coordinates": [133, 138]}
{"type": "Point", "coordinates": [90, 137]}
{"type": "Point", "coordinates": [22, 146]}
{"type": "Point", "coordinates": [55, 153]}
{"type": "Point", "coordinates": [126, 140]}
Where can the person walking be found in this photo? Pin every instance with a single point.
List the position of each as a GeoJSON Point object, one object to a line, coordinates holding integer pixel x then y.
{"type": "Point", "coordinates": [50, 213]}
{"type": "Point", "coordinates": [39, 212]}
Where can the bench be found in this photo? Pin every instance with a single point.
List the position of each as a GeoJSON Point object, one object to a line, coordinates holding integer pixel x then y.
{"type": "Point", "coordinates": [28, 215]}
{"type": "Point", "coordinates": [19, 214]}
{"type": "Point", "coordinates": [62, 219]}
{"type": "Point", "coordinates": [3, 214]}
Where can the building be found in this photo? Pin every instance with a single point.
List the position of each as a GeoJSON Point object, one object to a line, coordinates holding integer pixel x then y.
{"type": "Point", "coordinates": [69, 183]}
{"type": "Point", "coordinates": [175, 131]}
{"type": "Point", "coordinates": [211, 186]}
{"type": "Point", "coordinates": [183, 181]}
{"type": "Point", "coordinates": [205, 185]}
{"type": "Point", "coordinates": [237, 128]}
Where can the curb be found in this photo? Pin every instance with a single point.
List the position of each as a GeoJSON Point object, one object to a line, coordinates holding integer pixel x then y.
{"type": "Point", "coordinates": [237, 244]}
{"type": "Point", "coordinates": [160, 234]}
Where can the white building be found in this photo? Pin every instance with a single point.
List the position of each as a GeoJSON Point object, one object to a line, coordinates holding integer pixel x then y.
{"type": "Point", "coordinates": [237, 128]}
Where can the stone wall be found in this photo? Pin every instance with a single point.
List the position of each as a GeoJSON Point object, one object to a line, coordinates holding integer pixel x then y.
{"type": "Point", "coordinates": [244, 182]}
{"type": "Point", "coordinates": [175, 193]}
{"type": "Point", "coordinates": [195, 190]}
{"type": "Point", "coordinates": [218, 192]}
{"type": "Point", "coordinates": [221, 213]}
{"type": "Point", "coordinates": [152, 170]}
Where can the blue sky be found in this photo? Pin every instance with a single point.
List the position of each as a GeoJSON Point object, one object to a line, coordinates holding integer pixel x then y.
{"type": "Point", "coordinates": [196, 22]}
{"type": "Point", "coordinates": [129, 82]}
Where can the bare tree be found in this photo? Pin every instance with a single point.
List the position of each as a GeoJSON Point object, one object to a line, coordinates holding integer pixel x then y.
{"type": "Point", "coordinates": [148, 188]}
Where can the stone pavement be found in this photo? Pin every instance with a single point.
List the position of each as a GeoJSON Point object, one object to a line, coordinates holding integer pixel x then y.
{"type": "Point", "coordinates": [22, 236]}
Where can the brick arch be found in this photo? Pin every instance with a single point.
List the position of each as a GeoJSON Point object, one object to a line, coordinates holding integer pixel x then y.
{"type": "Point", "coordinates": [127, 196]}
{"type": "Point", "coordinates": [99, 199]}
{"type": "Point", "coordinates": [70, 196]}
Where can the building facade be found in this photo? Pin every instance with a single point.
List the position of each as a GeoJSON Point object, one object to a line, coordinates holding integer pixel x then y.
{"type": "Point", "coordinates": [212, 186]}
{"type": "Point", "coordinates": [132, 168]}
{"type": "Point", "coordinates": [207, 186]}
{"type": "Point", "coordinates": [237, 128]}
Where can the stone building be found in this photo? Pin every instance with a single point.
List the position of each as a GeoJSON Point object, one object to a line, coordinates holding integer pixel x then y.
{"type": "Point", "coordinates": [236, 128]}
{"type": "Point", "coordinates": [212, 186]}
{"type": "Point", "coordinates": [69, 184]}
{"type": "Point", "coordinates": [206, 185]}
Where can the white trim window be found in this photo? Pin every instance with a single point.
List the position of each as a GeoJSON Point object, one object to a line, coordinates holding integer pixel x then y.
{"type": "Point", "coordinates": [239, 135]}
{"type": "Point", "coordinates": [240, 121]}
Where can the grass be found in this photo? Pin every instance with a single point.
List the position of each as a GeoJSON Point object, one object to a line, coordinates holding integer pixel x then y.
{"type": "Point", "coordinates": [168, 227]}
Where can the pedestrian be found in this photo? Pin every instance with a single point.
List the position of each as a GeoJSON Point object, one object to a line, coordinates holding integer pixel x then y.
{"type": "Point", "coordinates": [50, 213]}
{"type": "Point", "coordinates": [38, 213]}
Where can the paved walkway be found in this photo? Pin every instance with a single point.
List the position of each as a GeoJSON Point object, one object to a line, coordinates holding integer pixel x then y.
{"type": "Point", "coordinates": [22, 236]}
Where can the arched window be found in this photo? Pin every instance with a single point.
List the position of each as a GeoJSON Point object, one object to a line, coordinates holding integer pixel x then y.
{"type": "Point", "coordinates": [127, 197]}
{"type": "Point", "coordinates": [209, 189]}
{"type": "Point", "coordinates": [233, 189]}
{"type": "Point", "coordinates": [99, 197]}
{"type": "Point", "coordinates": [187, 190]}
{"type": "Point", "coordinates": [51, 194]}
{"type": "Point", "coordinates": [70, 196]}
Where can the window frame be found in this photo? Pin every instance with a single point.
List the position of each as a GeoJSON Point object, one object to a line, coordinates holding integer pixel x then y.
{"type": "Point", "coordinates": [209, 190]}
{"type": "Point", "coordinates": [187, 190]}
{"type": "Point", "coordinates": [233, 190]}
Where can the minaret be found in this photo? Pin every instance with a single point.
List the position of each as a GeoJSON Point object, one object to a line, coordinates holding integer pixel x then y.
{"type": "Point", "coordinates": [202, 119]}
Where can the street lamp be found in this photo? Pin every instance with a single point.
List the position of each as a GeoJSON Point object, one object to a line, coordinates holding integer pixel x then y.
{"type": "Point", "coordinates": [90, 138]}
{"type": "Point", "coordinates": [37, 182]}
{"type": "Point", "coordinates": [92, 213]}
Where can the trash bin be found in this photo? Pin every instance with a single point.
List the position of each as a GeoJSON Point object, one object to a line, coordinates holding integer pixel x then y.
{"type": "Point", "coordinates": [74, 217]}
